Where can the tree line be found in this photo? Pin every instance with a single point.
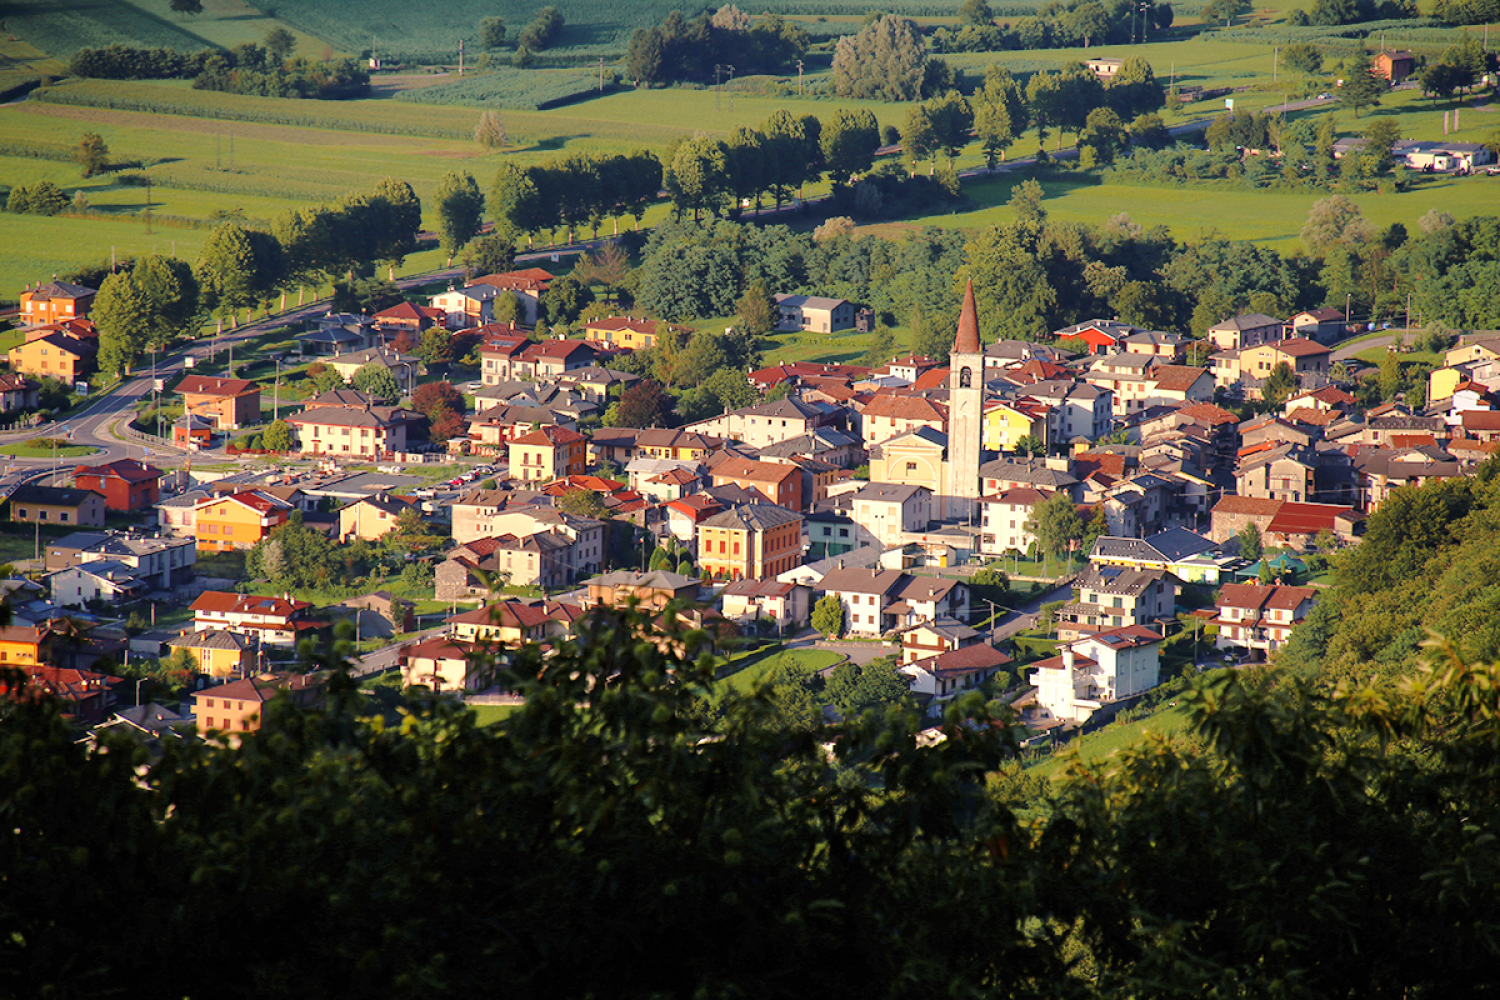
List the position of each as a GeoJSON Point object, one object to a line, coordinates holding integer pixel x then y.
{"type": "Point", "coordinates": [569, 192]}
{"type": "Point", "coordinates": [679, 49]}
{"type": "Point", "coordinates": [1073, 24]}
{"type": "Point", "coordinates": [260, 70]}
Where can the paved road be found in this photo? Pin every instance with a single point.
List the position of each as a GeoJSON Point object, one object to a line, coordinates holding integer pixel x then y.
{"type": "Point", "coordinates": [388, 658]}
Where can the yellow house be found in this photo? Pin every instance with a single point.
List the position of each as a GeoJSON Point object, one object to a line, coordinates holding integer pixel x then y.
{"type": "Point", "coordinates": [548, 453]}
{"type": "Point", "coordinates": [1005, 423]}
{"type": "Point", "coordinates": [1443, 383]}
{"type": "Point", "coordinates": [219, 653]}
{"type": "Point", "coordinates": [54, 355]}
{"type": "Point", "coordinates": [238, 521]}
{"type": "Point", "coordinates": [22, 646]}
{"type": "Point", "coordinates": [622, 331]}
{"type": "Point", "coordinates": [916, 458]}
{"type": "Point", "coordinates": [371, 517]}
{"type": "Point", "coordinates": [757, 541]}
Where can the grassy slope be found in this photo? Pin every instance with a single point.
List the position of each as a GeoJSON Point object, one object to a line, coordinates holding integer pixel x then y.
{"type": "Point", "coordinates": [1097, 746]}
{"type": "Point", "coordinates": [746, 680]}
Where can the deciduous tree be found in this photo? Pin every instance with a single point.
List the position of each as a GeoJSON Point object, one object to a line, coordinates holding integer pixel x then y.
{"type": "Point", "coordinates": [460, 209]}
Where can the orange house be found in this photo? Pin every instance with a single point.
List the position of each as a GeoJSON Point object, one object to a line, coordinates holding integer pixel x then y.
{"type": "Point", "coordinates": [238, 521]}
{"type": "Point", "coordinates": [23, 646]}
{"type": "Point", "coordinates": [56, 302]}
{"type": "Point", "coordinates": [547, 453]}
{"type": "Point", "coordinates": [757, 541]}
{"type": "Point", "coordinates": [239, 707]}
{"type": "Point", "coordinates": [54, 355]}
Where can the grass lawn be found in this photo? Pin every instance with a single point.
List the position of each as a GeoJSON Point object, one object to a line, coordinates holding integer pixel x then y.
{"type": "Point", "coordinates": [488, 715]}
{"type": "Point", "coordinates": [745, 681]}
{"type": "Point", "coordinates": [1116, 736]}
{"type": "Point", "coordinates": [1376, 355]}
{"type": "Point", "coordinates": [27, 449]}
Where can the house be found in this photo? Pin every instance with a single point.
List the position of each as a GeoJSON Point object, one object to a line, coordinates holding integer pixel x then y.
{"type": "Point", "coordinates": [220, 653]}
{"type": "Point", "coordinates": [1103, 336]}
{"type": "Point", "coordinates": [632, 334]}
{"type": "Point", "coordinates": [275, 621]}
{"type": "Point", "coordinates": [55, 355]}
{"type": "Point", "coordinates": [17, 393]}
{"type": "Point", "coordinates": [946, 675]}
{"type": "Point", "coordinates": [547, 453]}
{"type": "Point", "coordinates": [126, 484]}
{"type": "Point", "coordinates": [766, 424]}
{"type": "Point", "coordinates": [1284, 523]}
{"type": "Point", "coordinates": [372, 432]}
{"type": "Point", "coordinates": [1104, 69]}
{"type": "Point", "coordinates": [56, 302]}
{"type": "Point", "coordinates": [513, 623]}
{"type": "Point", "coordinates": [1444, 156]}
{"type": "Point", "coordinates": [228, 403]}
{"type": "Point", "coordinates": [781, 484]}
{"type": "Point", "coordinates": [554, 357]}
{"type": "Point", "coordinates": [408, 317]}
{"type": "Point", "coordinates": [1003, 518]}
{"type": "Point", "coordinates": [86, 697]}
{"type": "Point", "coordinates": [1283, 472]}
{"type": "Point", "coordinates": [527, 286]}
{"type": "Point", "coordinates": [442, 664]}
{"type": "Point", "coordinates": [337, 333]}
{"type": "Point", "coordinates": [1006, 422]}
{"type": "Point", "coordinates": [1091, 672]}
{"type": "Point", "coordinates": [1113, 596]}
{"type": "Point", "coordinates": [466, 307]}
{"type": "Point", "coordinates": [102, 580]}
{"type": "Point", "coordinates": [888, 415]}
{"type": "Point", "coordinates": [755, 541]}
{"type": "Point", "coordinates": [1260, 617]}
{"type": "Point", "coordinates": [813, 313]}
{"type": "Point", "coordinates": [788, 605]}
{"type": "Point", "coordinates": [70, 506]}
{"type": "Point", "coordinates": [372, 517]}
{"type": "Point", "coordinates": [1306, 357]}
{"type": "Point", "coordinates": [192, 432]}
{"type": "Point", "coordinates": [1322, 326]}
{"type": "Point", "coordinates": [889, 511]}
{"type": "Point", "coordinates": [1074, 409]}
{"type": "Point", "coordinates": [650, 591]}
{"type": "Point", "coordinates": [473, 513]}
{"type": "Point", "coordinates": [1248, 330]}
{"type": "Point", "coordinates": [1185, 554]}
{"type": "Point", "coordinates": [878, 601]}
{"type": "Point", "coordinates": [159, 563]}
{"type": "Point", "coordinates": [404, 368]}
{"type": "Point", "coordinates": [239, 707]}
{"type": "Point", "coordinates": [500, 353]}
{"type": "Point", "coordinates": [928, 639]}
{"type": "Point", "coordinates": [238, 521]}
{"type": "Point", "coordinates": [522, 546]}
{"type": "Point", "coordinates": [1395, 65]}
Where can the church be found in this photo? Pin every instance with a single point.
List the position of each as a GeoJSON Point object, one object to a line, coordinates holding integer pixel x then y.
{"type": "Point", "coordinates": [947, 464]}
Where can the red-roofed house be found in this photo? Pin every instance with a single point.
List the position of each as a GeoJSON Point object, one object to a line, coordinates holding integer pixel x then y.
{"type": "Point", "coordinates": [781, 483]}
{"type": "Point", "coordinates": [890, 414]}
{"type": "Point", "coordinates": [229, 402]}
{"type": "Point", "coordinates": [238, 521]}
{"type": "Point", "coordinates": [86, 697]}
{"type": "Point", "coordinates": [55, 302]}
{"type": "Point", "coordinates": [126, 484]}
{"type": "Point", "coordinates": [410, 317]}
{"type": "Point", "coordinates": [947, 675]}
{"type": "Point", "coordinates": [277, 621]}
{"type": "Point", "coordinates": [1305, 357]}
{"type": "Point", "coordinates": [547, 453]}
{"type": "Point", "coordinates": [1095, 670]}
{"type": "Point", "coordinates": [528, 285]}
{"type": "Point", "coordinates": [1260, 617]}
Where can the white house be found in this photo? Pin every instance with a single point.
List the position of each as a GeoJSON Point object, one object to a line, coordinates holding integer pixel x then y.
{"type": "Point", "coordinates": [814, 313]}
{"type": "Point", "coordinates": [1093, 671]}
{"type": "Point", "coordinates": [1003, 518]}
{"type": "Point", "coordinates": [888, 511]}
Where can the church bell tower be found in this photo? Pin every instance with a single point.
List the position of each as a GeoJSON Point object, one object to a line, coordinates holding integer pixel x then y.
{"type": "Point", "coordinates": [965, 403]}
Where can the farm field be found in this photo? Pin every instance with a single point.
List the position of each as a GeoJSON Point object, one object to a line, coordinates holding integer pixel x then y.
{"type": "Point", "coordinates": [62, 27]}
{"type": "Point", "coordinates": [227, 23]}
{"type": "Point", "coordinates": [36, 248]}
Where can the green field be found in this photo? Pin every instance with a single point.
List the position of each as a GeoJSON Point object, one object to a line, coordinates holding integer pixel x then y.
{"type": "Point", "coordinates": [30, 450]}
{"type": "Point", "coordinates": [1114, 737]}
{"type": "Point", "coordinates": [745, 681]}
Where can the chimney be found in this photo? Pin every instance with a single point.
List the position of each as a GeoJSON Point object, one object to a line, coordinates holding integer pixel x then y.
{"type": "Point", "coordinates": [1067, 658]}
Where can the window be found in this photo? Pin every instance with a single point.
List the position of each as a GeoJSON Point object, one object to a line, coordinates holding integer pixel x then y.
{"type": "Point", "coordinates": [911, 466]}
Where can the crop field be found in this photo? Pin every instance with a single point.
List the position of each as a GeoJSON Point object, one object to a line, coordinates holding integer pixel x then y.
{"type": "Point", "coordinates": [505, 87]}
{"type": "Point", "coordinates": [62, 27]}
{"type": "Point", "coordinates": [35, 248]}
{"type": "Point", "coordinates": [227, 23]}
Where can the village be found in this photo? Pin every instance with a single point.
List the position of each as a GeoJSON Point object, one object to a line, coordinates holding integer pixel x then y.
{"type": "Point", "coordinates": [1065, 524]}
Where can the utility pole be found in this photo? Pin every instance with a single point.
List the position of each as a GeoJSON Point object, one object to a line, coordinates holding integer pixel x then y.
{"type": "Point", "coordinates": [1275, 58]}
{"type": "Point", "coordinates": [460, 57]}
{"type": "Point", "coordinates": [799, 72]}
{"type": "Point", "coordinates": [718, 90]}
{"type": "Point", "coordinates": [601, 74]}
{"type": "Point", "coordinates": [148, 202]}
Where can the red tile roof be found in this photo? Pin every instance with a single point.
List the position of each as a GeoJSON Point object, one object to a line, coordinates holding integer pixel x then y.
{"type": "Point", "coordinates": [967, 339]}
{"type": "Point", "coordinates": [1247, 505]}
{"type": "Point", "coordinates": [209, 385]}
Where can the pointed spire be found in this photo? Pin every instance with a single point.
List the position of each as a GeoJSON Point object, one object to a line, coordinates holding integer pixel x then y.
{"type": "Point", "coordinates": [967, 341]}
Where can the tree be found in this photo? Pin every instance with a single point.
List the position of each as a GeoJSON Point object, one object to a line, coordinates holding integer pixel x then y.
{"type": "Point", "coordinates": [514, 202]}
{"type": "Point", "coordinates": [237, 269]}
{"type": "Point", "coordinates": [885, 61]}
{"type": "Point", "coordinates": [731, 388]}
{"type": "Point", "coordinates": [377, 380]}
{"type": "Point", "coordinates": [849, 142]}
{"type": "Point", "coordinates": [919, 139]}
{"type": "Point", "coordinates": [698, 177]}
{"type": "Point", "coordinates": [877, 685]}
{"type": "Point", "coordinates": [490, 132]}
{"type": "Point", "coordinates": [882, 348]}
{"type": "Point", "coordinates": [1362, 89]}
{"type": "Point", "coordinates": [583, 503]}
{"type": "Point", "coordinates": [828, 615]}
{"type": "Point", "coordinates": [492, 32]}
{"type": "Point", "coordinates": [1251, 546]}
{"type": "Point", "coordinates": [280, 44]}
{"type": "Point", "coordinates": [1055, 524]}
{"type": "Point", "coordinates": [975, 12]}
{"type": "Point", "coordinates": [92, 154]}
{"type": "Point", "coordinates": [1303, 58]}
{"type": "Point", "coordinates": [952, 119]}
{"type": "Point", "coordinates": [492, 254]}
{"type": "Point", "coordinates": [992, 126]}
{"type": "Point", "coordinates": [542, 31]}
{"type": "Point", "coordinates": [1103, 137]}
{"type": "Point", "coordinates": [460, 209]}
{"type": "Point", "coordinates": [756, 310]}
{"type": "Point", "coordinates": [1223, 10]}
{"type": "Point", "coordinates": [433, 398]}
{"type": "Point", "coordinates": [644, 404]}
{"type": "Point", "coordinates": [565, 298]}
{"type": "Point", "coordinates": [279, 437]}
{"type": "Point", "coordinates": [1279, 385]}
{"type": "Point", "coordinates": [40, 198]}
{"type": "Point", "coordinates": [797, 693]}
{"type": "Point", "coordinates": [186, 6]}
{"type": "Point", "coordinates": [412, 534]}
{"type": "Point", "coordinates": [122, 315]}
{"type": "Point", "coordinates": [1331, 222]}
